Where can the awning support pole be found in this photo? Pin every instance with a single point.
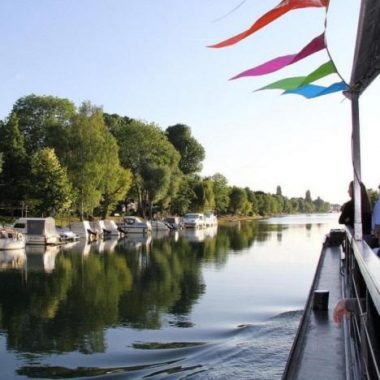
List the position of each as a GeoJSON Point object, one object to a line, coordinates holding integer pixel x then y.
{"type": "Point", "coordinates": [358, 231]}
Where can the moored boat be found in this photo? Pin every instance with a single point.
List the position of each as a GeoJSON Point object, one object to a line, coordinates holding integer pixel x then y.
{"type": "Point", "coordinates": [194, 220]}
{"type": "Point", "coordinates": [40, 231]}
{"type": "Point", "coordinates": [11, 239]}
{"type": "Point", "coordinates": [135, 225]}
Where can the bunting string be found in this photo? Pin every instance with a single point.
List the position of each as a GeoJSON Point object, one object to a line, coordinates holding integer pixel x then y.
{"type": "Point", "coordinates": [300, 85]}
{"type": "Point", "coordinates": [282, 8]}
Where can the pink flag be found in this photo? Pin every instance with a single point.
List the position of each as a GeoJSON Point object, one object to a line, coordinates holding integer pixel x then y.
{"type": "Point", "coordinates": [282, 8]}
{"type": "Point", "coordinates": [278, 63]}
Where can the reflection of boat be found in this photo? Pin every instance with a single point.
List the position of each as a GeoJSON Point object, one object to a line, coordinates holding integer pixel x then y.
{"type": "Point", "coordinates": [14, 258]}
{"type": "Point", "coordinates": [81, 247]}
{"type": "Point", "coordinates": [194, 220]}
{"type": "Point", "coordinates": [135, 242]}
{"type": "Point", "coordinates": [41, 258]}
{"type": "Point", "coordinates": [110, 244]}
{"type": "Point", "coordinates": [105, 246]}
{"type": "Point", "coordinates": [198, 235]}
{"type": "Point", "coordinates": [135, 225]}
{"type": "Point", "coordinates": [38, 230]}
{"type": "Point", "coordinates": [11, 239]}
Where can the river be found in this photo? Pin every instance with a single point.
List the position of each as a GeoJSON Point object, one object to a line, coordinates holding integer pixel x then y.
{"type": "Point", "coordinates": [211, 304]}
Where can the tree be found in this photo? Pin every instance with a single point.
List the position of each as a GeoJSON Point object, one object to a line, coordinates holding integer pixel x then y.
{"type": "Point", "coordinates": [145, 149]}
{"type": "Point", "coordinates": [221, 193]}
{"type": "Point", "coordinates": [192, 153]}
{"type": "Point", "coordinates": [51, 187]}
{"type": "Point", "coordinates": [16, 167]}
{"type": "Point", "coordinates": [238, 200]}
{"type": "Point", "coordinates": [42, 119]}
{"type": "Point", "coordinates": [116, 181]}
{"type": "Point", "coordinates": [88, 157]}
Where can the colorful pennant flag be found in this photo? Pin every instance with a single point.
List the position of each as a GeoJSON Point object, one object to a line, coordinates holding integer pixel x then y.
{"type": "Point", "coordinates": [312, 91]}
{"type": "Point", "coordinates": [278, 63]}
{"type": "Point", "coordinates": [282, 8]}
{"type": "Point", "coordinates": [295, 82]}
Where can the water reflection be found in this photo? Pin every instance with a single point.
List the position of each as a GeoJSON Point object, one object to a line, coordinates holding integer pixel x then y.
{"type": "Point", "coordinates": [12, 259]}
{"type": "Point", "coordinates": [72, 295]}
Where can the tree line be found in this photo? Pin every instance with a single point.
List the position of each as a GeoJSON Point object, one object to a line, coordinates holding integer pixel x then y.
{"type": "Point", "coordinates": [57, 159]}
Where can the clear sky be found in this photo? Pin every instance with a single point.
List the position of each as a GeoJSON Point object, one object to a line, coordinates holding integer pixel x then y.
{"type": "Point", "coordinates": [147, 59]}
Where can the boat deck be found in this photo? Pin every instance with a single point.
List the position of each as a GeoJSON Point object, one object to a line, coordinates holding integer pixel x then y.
{"type": "Point", "coordinates": [319, 351]}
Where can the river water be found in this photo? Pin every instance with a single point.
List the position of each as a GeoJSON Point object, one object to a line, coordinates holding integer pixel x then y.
{"type": "Point", "coordinates": [213, 304]}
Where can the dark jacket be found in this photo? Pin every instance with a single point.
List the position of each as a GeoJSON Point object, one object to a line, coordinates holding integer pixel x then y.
{"type": "Point", "coordinates": [347, 217]}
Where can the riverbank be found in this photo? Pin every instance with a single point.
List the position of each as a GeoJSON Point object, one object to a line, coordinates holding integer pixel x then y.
{"type": "Point", "coordinates": [224, 219]}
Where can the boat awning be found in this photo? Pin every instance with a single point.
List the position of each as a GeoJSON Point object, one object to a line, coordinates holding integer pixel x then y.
{"type": "Point", "coordinates": [366, 65]}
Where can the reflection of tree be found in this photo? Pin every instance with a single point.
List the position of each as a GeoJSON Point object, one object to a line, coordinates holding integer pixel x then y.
{"type": "Point", "coordinates": [171, 283]}
{"type": "Point", "coordinates": [66, 310]}
{"type": "Point", "coordinates": [70, 308]}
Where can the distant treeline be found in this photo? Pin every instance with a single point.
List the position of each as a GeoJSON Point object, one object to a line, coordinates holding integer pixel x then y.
{"type": "Point", "coordinates": [56, 159]}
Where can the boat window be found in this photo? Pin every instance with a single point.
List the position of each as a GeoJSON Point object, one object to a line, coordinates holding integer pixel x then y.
{"type": "Point", "coordinates": [19, 225]}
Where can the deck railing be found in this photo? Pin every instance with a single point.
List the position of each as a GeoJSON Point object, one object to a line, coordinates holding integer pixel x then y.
{"type": "Point", "coordinates": [361, 281]}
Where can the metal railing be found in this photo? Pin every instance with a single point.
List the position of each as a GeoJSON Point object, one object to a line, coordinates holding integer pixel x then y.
{"type": "Point", "coordinates": [361, 281]}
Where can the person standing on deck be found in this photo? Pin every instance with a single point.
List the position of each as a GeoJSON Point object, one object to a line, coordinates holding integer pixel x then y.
{"type": "Point", "coordinates": [348, 209]}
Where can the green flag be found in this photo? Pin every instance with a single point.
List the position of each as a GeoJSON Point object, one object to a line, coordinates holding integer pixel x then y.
{"type": "Point", "coordinates": [296, 82]}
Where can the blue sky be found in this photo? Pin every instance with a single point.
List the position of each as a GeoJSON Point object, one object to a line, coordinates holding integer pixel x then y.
{"type": "Point", "coordinates": [147, 59]}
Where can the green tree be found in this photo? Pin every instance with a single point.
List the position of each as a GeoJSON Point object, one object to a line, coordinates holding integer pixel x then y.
{"type": "Point", "coordinates": [16, 167]}
{"type": "Point", "coordinates": [221, 193]}
{"type": "Point", "coordinates": [88, 157]}
{"type": "Point", "coordinates": [116, 181]}
{"type": "Point", "coordinates": [51, 187]}
{"type": "Point", "coordinates": [185, 196]}
{"type": "Point", "coordinates": [42, 120]}
{"type": "Point", "coordinates": [145, 149]}
{"type": "Point", "coordinates": [238, 200]}
{"type": "Point", "coordinates": [192, 153]}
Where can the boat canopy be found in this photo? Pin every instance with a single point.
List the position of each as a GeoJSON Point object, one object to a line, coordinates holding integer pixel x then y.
{"type": "Point", "coordinates": [366, 65]}
{"type": "Point", "coordinates": [41, 226]}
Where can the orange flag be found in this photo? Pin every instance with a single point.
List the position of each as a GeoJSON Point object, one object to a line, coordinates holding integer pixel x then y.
{"type": "Point", "coordinates": [282, 8]}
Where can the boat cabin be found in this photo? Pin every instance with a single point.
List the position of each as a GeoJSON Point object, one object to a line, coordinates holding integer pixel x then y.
{"type": "Point", "coordinates": [40, 231]}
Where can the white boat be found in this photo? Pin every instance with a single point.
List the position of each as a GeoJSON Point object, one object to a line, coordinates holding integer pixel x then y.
{"type": "Point", "coordinates": [97, 227]}
{"type": "Point", "coordinates": [210, 219]}
{"type": "Point", "coordinates": [194, 220]}
{"type": "Point", "coordinates": [110, 228]}
{"type": "Point", "coordinates": [135, 225]}
{"type": "Point", "coordinates": [67, 235]}
{"type": "Point", "coordinates": [41, 231]}
{"type": "Point", "coordinates": [175, 222]}
{"type": "Point", "coordinates": [160, 225]}
{"type": "Point", "coordinates": [11, 239]}
{"type": "Point", "coordinates": [84, 230]}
